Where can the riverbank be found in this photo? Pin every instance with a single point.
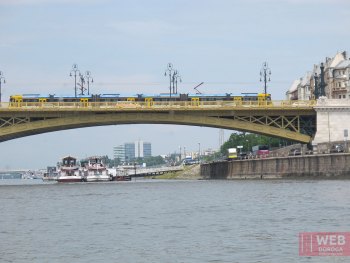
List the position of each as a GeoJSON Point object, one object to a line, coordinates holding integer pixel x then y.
{"type": "Point", "coordinates": [190, 172]}
{"type": "Point", "coordinates": [323, 166]}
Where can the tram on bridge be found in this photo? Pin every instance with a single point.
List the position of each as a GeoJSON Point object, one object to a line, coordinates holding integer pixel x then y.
{"type": "Point", "coordinates": [18, 100]}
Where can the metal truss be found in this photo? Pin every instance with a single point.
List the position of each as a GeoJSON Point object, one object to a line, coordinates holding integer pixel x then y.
{"type": "Point", "coordinates": [10, 121]}
{"type": "Point", "coordinates": [300, 124]}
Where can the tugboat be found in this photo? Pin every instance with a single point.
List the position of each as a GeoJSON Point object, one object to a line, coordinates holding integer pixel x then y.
{"type": "Point", "coordinates": [69, 171]}
{"type": "Point", "coordinates": [122, 175]}
{"type": "Point", "coordinates": [95, 170]}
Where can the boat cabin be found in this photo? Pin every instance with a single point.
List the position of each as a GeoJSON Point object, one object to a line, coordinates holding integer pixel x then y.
{"type": "Point", "coordinates": [96, 161]}
{"type": "Point", "coordinates": [69, 161]}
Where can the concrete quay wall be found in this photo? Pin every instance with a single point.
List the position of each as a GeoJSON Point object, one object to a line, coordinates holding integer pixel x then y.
{"type": "Point", "coordinates": [323, 166]}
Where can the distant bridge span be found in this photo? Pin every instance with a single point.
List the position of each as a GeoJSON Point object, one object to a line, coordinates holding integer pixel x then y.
{"type": "Point", "coordinates": [284, 119]}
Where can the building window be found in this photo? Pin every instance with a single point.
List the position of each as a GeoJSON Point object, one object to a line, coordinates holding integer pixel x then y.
{"type": "Point", "coordinates": [339, 96]}
{"type": "Point", "coordinates": [343, 96]}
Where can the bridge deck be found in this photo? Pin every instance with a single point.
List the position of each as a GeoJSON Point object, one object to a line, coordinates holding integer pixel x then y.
{"type": "Point", "coordinates": [159, 106]}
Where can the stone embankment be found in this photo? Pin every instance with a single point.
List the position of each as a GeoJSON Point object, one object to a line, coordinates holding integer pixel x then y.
{"type": "Point", "coordinates": [322, 166]}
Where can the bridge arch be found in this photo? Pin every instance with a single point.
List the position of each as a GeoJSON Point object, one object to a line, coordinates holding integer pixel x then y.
{"type": "Point", "coordinates": [31, 126]}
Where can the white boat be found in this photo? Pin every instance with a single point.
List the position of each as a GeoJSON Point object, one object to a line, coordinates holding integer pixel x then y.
{"type": "Point", "coordinates": [50, 177]}
{"type": "Point", "coordinates": [95, 170]}
{"type": "Point", "coordinates": [50, 174]}
{"type": "Point", "coordinates": [69, 171]}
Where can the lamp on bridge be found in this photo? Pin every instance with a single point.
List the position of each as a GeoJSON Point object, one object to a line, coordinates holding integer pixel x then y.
{"type": "Point", "coordinates": [176, 77]}
{"type": "Point", "coordinates": [81, 84]}
{"type": "Point", "coordinates": [265, 74]}
{"type": "Point", "coordinates": [170, 71]}
{"type": "Point", "coordinates": [87, 78]}
{"type": "Point", "coordinates": [2, 80]}
{"type": "Point", "coordinates": [75, 70]}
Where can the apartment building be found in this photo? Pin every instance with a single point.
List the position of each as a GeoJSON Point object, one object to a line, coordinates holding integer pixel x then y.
{"type": "Point", "coordinates": [336, 78]}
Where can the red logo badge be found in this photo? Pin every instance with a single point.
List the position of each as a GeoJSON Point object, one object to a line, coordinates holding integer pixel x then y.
{"type": "Point", "coordinates": [324, 244]}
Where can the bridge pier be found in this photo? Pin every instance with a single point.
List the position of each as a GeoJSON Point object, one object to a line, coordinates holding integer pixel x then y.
{"type": "Point", "coordinates": [333, 124]}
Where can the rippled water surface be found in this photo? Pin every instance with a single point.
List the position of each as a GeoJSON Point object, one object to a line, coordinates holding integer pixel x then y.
{"type": "Point", "coordinates": [168, 221]}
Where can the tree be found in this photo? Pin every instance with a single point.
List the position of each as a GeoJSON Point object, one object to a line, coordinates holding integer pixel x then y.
{"type": "Point", "coordinates": [248, 140]}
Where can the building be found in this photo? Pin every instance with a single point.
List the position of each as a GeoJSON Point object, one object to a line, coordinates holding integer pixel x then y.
{"type": "Point", "coordinates": [129, 151]}
{"type": "Point", "coordinates": [147, 149]}
{"type": "Point", "coordinates": [304, 90]}
{"type": "Point", "coordinates": [336, 78]}
{"type": "Point", "coordinates": [119, 153]}
{"type": "Point", "coordinates": [292, 93]}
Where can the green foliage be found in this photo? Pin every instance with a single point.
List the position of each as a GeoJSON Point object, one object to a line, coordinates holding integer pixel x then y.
{"type": "Point", "coordinates": [210, 158]}
{"type": "Point", "coordinates": [248, 140]}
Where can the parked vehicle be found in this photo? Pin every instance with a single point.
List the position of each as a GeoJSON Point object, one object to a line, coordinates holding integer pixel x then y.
{"type": "Point", "coordinates": [243, 155]}
{"type": "Point", "coordinates": [337, 148]}
{"type": "Point", "coordinates": [294, 152]}
{"type": "Point", "coordinates": [260, 150]}
{"type": "Point", "coordinates": [232, 153]}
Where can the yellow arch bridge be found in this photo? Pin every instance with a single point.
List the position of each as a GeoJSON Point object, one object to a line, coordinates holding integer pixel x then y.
{"type": "Point", "coordinates": [293, 120]}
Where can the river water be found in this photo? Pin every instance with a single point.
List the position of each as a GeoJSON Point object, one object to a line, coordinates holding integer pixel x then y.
{"type": "Point", "coordinates": [168, 221]}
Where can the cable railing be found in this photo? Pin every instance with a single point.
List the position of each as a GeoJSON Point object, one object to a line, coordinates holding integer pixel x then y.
{"type": "Point", "coordinates": [157, 105]}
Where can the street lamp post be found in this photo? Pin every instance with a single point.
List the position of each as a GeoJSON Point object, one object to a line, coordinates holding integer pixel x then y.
{"type": "Point", "coordinates": [2, 80]}
{"type": "Point", "coordinates": [170, 71]}
{"type": "Point", "coordinates": [180, 153]}
{"type": "Point", "coordinates": [316, 89]}
{"type": "Point", "coordinates": [265, 73]}
{"type": "Point", "coordinates": [88, 77]}
{"type": "Point", "coordinates": [199, 152]}
{"type": "Point", "coordinates": [75, 70]}
{"type": "Point", "coordinates": [322, 83]}
{"type": "Point", "coordinates": [176, 77]}
{"type": "Point", "coordinates": [81, 84]}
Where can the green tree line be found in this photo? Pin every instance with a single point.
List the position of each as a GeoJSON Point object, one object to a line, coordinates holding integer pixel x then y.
{"type": "Point", "coordinates": [248, 140]}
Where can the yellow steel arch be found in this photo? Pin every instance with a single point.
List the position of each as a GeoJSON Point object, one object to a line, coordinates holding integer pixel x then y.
{"type": "Point", "coordinates": [88, 120]}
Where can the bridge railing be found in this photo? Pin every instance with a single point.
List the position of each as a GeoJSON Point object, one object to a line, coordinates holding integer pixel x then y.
{"type": "Point", "coordinates": [132, 105]}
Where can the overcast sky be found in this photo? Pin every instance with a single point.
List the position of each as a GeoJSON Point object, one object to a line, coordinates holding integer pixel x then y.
{"type": "Point", "coordinates": [127, 44]}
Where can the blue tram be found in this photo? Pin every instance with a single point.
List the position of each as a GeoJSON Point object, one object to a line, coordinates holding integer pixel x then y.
{"type": "Point", "coordinates": [162, 97]}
